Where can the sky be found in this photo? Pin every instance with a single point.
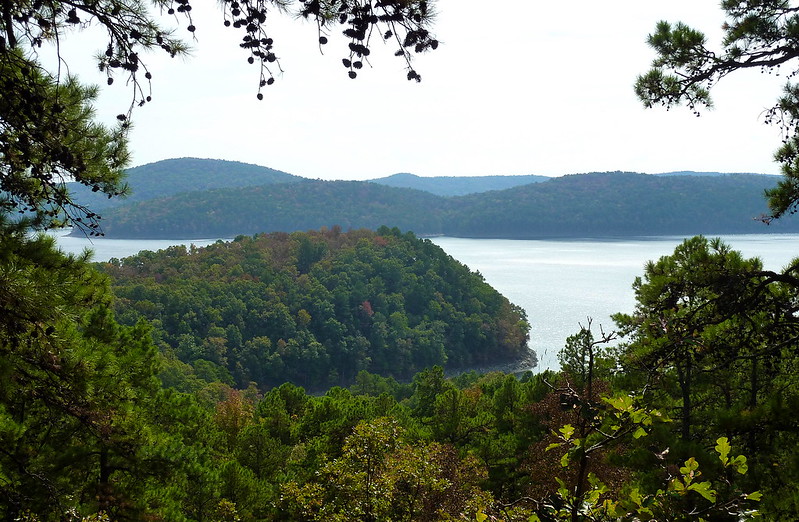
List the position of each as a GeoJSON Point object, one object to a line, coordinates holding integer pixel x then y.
{"type": "Point", "coordinates": [516, 87]}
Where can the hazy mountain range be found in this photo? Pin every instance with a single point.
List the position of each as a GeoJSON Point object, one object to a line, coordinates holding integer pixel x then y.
{"type": "Point", "coordinates": [194, 198]}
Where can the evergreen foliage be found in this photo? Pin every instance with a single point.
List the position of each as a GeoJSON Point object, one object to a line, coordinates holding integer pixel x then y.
{"type": "Point", "coordinates": [717, 334]}
{"type": "Point", "coordinates": [47, 137]}
{"type": "Point", "coordinates": [84, 423]}
{"type": "Point", "coordinates": [758, 35]}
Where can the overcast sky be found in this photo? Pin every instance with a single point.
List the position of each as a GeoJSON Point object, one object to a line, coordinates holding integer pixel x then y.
{"type": "Point", "coordinates": [517, 87]}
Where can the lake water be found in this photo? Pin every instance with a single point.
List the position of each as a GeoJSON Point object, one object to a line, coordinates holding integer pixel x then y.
{"type": "Point", "coordinates": [560, 283]}
{"type": "Point", "coordinates": [105, 249]}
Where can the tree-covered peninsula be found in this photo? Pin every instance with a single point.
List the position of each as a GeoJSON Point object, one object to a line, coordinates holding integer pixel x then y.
{"type": "Point", "coordinates": [620, 204]}
{"type": "Point", "coordinates": [316, 308]}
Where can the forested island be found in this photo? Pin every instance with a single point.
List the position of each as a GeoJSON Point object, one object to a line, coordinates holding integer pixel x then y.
{"type": "Point", "coordinates": [580, 205]}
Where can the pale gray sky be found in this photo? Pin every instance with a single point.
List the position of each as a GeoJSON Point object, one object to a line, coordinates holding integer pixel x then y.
{"type": "Point", "coordinates": [517, 87]}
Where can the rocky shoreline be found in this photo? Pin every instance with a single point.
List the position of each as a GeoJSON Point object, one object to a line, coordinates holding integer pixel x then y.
{"type": "Point", "coordinates": [527, 363]}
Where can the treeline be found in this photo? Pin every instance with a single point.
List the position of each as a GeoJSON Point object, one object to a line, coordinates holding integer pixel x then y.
{"type": "Point", "coordinates": [316, 308]}
{"type": "Point", "coordinates": [457, 185]}
{"type": "Point", "coordinates": [620, 204]}
{"type": "Point", "coordinates": [690, 417]}
{"type": "Point", "coordinates": [585, 205]}
{"type": "Point", "coordinates": [175, 176]}
{"type": "Point", "coordinates": [284, 207]}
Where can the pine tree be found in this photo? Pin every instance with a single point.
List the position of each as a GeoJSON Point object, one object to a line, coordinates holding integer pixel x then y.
{"type": "Point", "coordinates": [760, 35]}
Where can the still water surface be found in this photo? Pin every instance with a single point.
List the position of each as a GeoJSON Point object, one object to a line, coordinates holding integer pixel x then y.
{"type": "Point", "coordinates": [560, 283]}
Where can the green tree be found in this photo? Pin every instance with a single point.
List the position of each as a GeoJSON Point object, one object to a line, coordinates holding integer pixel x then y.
{"type": "Point", "coordinates": [759, 34]}
{"type": "Point", "coordinates": [48, 137]}
{"type": "Point", "coordinates": [596, 427]}
{"type": "Point", "coordinates": [380, 476]}
{"type": "Point", "coordinates": [84, 423]}
{"type": "Point", "coordinates": [715, 336]}
{"type": "Point", "coordinates": [584, 359]}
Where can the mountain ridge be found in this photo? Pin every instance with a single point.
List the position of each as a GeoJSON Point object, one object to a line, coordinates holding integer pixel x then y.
{"type": "Point", "coordinates": [458, 186]}
{"type": "Point", "coordinates": [588, 205]}
{"type": "Point", "coordinates": [178, 175]}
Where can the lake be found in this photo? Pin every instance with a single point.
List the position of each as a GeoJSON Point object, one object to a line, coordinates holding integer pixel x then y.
{"type": "Point", "coordinates": [560, 283]}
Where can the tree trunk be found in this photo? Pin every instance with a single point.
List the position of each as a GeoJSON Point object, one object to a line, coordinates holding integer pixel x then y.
{"type": "Point", "coordinates": [684, 377]}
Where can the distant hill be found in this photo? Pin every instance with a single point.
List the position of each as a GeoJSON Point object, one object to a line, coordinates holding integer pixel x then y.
{"type": "Point", "coordinates": [290, 207]}
{"type": "Point", "coordinates": [182, 175]}
{"type": "Point", "coordinates": [175, 176]}
{"type": "Point", "coordinates": [457, 186]}
{"type": "Point", "coordinates": [620, 204]}
{"type": "Point", "coordinates": [707, 174]}
{"type": "Point", "coordinates": [580, 205]}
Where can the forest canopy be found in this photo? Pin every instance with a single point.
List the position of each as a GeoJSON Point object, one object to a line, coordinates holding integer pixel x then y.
{"type": "Point", "coordinates": [652, 430]}
{"type": "Point", "coordinates": [580, 205]}
{"type": "Point", "coordinates": [316, 308]}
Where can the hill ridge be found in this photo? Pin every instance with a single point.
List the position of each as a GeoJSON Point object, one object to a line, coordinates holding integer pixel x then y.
{"type": "Point", "coordinates": [577, 205]}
